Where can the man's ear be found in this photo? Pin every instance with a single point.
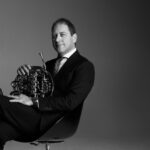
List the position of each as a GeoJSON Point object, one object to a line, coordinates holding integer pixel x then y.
{"type": "Point", "coordinates": [75, 37]}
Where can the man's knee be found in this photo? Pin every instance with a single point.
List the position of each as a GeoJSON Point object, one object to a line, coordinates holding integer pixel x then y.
{"type": "Point", "coordinates": [4, 98]}
{"type": "Point", "coordinates": [7, 132]}
{"type": "Point", "coordinates": [4, 102]}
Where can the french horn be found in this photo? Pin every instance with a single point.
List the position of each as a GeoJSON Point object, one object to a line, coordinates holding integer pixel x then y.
{"type": "Point", "coordinates": [37, 84]}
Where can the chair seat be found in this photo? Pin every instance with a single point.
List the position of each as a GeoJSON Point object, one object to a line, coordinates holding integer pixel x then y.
{"type": "Point", "coordinates": [64, 128]}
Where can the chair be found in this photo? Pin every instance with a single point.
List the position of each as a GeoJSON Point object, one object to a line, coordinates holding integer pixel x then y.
{"type": "Point", "coordinates": [64, 128]}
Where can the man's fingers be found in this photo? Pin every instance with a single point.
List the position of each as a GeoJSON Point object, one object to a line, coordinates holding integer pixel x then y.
{"type": "Point", "coordinates": [18, 71]}
{"type": "Point", "coordinates": [14, 96]}
{"type": "Point", "coordinates": [24, 69]}
{"type": "Point", "coordinates": [14, 100]}
{"type": "Point", "coordinates": [27, 68]}
{"type": "Point", "coordinates": [21, 70]}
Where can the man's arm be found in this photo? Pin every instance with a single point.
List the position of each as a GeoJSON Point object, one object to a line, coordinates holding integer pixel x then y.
{"type": "Point", "coordinates": [83, 80]}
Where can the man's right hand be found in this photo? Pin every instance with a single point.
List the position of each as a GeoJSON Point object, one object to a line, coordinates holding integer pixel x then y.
{"type": "Point", "coordinates": [24, 69]}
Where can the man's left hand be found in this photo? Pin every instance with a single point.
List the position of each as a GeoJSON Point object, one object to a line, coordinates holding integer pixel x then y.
{"type": "Point", "coordinates": [23, 99]}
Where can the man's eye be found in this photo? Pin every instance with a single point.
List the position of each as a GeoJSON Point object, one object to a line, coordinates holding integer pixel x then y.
{"type": "Point", "coordinates": [62, 34]}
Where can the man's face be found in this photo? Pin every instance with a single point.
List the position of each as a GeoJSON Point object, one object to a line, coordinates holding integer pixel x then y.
{"type": "Point", "coordinates": [62, 39]}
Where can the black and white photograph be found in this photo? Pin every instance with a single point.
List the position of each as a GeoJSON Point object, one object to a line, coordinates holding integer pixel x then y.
{"type": "Point", "coordinates": [74, 75]}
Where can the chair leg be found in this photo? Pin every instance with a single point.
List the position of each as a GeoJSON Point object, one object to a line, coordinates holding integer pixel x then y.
{"type": "Point", "coordinates": [47, 146]}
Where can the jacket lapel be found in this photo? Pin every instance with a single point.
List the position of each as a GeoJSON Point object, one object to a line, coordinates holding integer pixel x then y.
{"type": "Point", "coordinates": [69, 64]}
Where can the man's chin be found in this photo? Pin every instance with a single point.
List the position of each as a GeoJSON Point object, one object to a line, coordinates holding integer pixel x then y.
{"type": "Point", "coordinates": [60, 51]}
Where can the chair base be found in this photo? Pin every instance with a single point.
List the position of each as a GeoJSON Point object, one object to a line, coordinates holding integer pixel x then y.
{"type": "Point", "coordinates": [47, 143]}
{"type": "Point", "coordinates": [47, 146]}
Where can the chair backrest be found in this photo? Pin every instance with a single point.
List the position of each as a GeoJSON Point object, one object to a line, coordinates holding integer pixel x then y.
{"type": "Point", "coordinates": [65, 127]}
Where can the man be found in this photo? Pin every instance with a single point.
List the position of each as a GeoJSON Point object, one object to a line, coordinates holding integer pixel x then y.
{"type": "Point", "coordinates": [73, 81]}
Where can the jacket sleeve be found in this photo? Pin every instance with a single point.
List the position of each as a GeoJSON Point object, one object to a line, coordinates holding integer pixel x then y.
{"type": "Point", "coordinates": [81, 85]}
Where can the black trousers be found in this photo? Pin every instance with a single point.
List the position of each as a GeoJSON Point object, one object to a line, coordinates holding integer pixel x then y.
{"type": "Point", "coordinates": [17, 120]}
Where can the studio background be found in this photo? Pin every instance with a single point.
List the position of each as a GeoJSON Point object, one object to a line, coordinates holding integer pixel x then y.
{"type": "Point", "coordinates": [114, 35]}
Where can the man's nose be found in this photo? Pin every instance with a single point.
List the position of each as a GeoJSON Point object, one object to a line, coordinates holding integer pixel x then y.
{"type": "Point", "coordinates": [58, 38]}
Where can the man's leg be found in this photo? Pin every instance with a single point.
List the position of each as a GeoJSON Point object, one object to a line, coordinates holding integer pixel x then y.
{"type": "Point", "coordinates": [7, 133]}
{"type": "Point", "coordinates": [24, 119]}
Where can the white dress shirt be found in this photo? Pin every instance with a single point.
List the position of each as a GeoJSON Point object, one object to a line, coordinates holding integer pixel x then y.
{"type": "Point", "coordinates": [60, 62]}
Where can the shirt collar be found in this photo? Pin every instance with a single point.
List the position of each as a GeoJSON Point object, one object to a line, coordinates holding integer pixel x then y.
{"type": "Point", "coordinates": [70, 53]}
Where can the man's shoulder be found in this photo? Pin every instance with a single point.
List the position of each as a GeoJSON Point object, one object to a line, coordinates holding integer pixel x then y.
{"type": "Point", "coordinates": [79, 61]}
{"type": "Point", "coordinates": [84, 59]}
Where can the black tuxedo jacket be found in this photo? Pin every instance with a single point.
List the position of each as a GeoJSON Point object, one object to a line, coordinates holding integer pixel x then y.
{"type": "Point", "coordinates": [72, 84]}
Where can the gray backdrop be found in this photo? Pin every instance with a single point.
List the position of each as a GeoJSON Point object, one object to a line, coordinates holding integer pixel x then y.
{"type": "Point", "coordinates": [114, 35]}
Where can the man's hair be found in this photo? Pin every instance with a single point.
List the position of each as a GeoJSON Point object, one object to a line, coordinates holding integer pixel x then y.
{"type": "Point", "coordinates": [65, 21]}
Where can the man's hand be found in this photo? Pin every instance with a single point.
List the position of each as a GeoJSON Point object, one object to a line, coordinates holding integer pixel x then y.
{"type": "Point", "coordinates": [24, 69]}
{"type": "Point", "coordinates": [23, 99]}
